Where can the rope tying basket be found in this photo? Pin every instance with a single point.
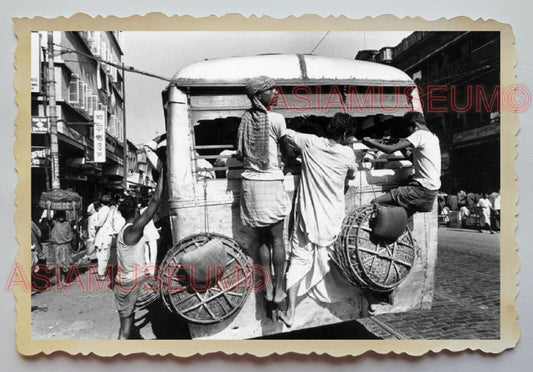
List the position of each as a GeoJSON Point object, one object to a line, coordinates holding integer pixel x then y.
{"type": "Point", "coordinates": [222, 290]}
{"type": "Point", "coordinates": [370, 262]}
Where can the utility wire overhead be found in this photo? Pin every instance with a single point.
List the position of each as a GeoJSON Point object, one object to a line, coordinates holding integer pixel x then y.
{"type": "Point", "coordinates": [320, 42]}
{"type": "Point", "coordinates": [126, 68]}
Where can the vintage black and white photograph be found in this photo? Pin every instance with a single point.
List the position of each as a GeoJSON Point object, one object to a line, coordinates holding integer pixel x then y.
{"type": "Point", "coordinates": [266, 185]}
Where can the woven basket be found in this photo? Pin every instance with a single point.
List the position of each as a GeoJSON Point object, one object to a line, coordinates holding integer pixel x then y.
{"type": "Point", "coordinates": [368, 262]}
{"type": "Point", "coordinates": [60, 206]}
{"type": "Point", "coordinates": [60, 200]}
{"type": "Point", "coordinates": [215, 302]}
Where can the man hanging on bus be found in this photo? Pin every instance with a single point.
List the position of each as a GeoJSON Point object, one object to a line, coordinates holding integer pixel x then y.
{"type": "Point", "coordinates": [423, 147]}
{"type": "Point", "coordinates": [264, 201]}
{"type": "Point", "coordinates": [327, 165]}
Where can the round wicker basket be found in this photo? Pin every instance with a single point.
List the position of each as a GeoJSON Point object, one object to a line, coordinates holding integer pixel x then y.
{"type": "Point", "coordinates": [368, 262]}
{"type": "Point", "coordinates": [221, 299]}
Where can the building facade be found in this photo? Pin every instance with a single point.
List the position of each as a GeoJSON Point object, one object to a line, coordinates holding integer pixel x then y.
{"type": "Point", "coordinates": [89, 111]}
{"type": "Point", "coordinates": [139, 171]}
{"type": "Point", "coordinates": [458, 75]}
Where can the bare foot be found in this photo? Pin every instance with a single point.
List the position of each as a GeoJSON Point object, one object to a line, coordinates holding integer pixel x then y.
{"type": "Point", "coordinates": [381, 308]}
{"type": "Point", "coordinates": [287, 317]}
{"type": "Point", "coordinates": [280, 296]}
{"type": "Point", "coordinates": [269, 292]}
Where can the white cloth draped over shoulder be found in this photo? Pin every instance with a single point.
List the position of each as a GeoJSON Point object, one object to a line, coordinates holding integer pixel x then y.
{"type": "Point", "coordinates": [319, 213]}
{"type": "Point", "coordinates": [112, 224]}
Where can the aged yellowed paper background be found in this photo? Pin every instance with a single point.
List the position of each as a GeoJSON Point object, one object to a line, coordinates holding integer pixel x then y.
{"type": "Point", "coordinates": [509, 330]}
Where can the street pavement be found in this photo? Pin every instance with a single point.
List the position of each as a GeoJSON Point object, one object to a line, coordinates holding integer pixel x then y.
{"type": "Point", "coordinates": [466, 303]}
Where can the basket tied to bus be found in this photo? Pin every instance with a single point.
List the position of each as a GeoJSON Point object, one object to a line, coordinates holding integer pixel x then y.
{"type": "Point", "coordinates": [206, 278]}
{"type": "Point", "coordinates": [202, 265]}
{"type": "Point", "coordinates": [369, 261]}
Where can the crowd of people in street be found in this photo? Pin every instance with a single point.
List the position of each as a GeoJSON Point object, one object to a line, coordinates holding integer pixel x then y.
{"type": "Point", "coordinates": [479, 211]}
{"type": "Point", "coordinates": [123, 224]}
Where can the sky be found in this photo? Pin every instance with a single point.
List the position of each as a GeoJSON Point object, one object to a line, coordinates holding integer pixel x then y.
{"type": "Point", "coordinates": [165, 53]}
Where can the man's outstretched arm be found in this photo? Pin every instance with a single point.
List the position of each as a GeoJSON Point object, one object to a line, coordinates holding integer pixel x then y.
{"type": "Point", "coordinates": [389, 149]}
{"type": "Point", "coordinates": [134, 233]}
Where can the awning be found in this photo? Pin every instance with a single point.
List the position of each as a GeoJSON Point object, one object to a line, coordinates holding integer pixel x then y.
{"type": "Point", "coordinates": [114, 170]}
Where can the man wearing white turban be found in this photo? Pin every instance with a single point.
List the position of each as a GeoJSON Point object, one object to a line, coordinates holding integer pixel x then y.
{"type": "Point", "coordinates": [264, 201]}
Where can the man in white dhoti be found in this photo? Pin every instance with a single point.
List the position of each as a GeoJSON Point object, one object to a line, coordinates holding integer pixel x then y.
{"type": "Point", "coordinates": [106, 236]}
{"type": "Point", "coordinates": [319, 210]}
{"type": "Point", "coordinates": [264, 201]}
{"type": "Point", "coordinates": [484, 206]}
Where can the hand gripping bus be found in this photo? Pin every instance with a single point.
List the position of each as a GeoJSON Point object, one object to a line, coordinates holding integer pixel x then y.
{"type": "Point", "coordinates": [208, 275]}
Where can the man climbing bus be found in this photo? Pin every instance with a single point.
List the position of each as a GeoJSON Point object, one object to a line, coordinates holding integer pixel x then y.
{"type": "Point", "coordinates": [422, 147]}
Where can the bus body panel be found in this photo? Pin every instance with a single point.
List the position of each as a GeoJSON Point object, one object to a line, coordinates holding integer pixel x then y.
{"type": "Point", "coordinates": [199, 206]}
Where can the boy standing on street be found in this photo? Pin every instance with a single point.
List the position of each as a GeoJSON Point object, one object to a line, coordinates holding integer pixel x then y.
{"type": "Point", "coordinates": [132, 287]}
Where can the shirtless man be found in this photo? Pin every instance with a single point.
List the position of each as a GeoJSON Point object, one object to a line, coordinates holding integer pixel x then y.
{"type": "Point", "coordinates": [132, 287]}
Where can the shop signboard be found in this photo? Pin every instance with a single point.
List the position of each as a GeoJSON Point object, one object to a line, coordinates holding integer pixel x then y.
{"type": "Point", "coordinates": [475, 133]}
{"type": "Point", "coordinates": [39, 156]}
{"type": "Point", "coordinates": [76, 177]}
{"type": "Point", "coordinates": [55, 169]}
{"type": "Point", "coordinates": [99, 136]}
{"type": "Point", "coordinates": [40, 124]}
{"type": "Point", "coordinates": [35, 62]}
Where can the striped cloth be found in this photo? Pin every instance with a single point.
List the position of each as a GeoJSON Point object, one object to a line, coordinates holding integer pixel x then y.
{"type": "Point", "coordinates": [252, 143]}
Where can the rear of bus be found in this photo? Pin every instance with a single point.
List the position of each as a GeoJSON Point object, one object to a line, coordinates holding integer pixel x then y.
{"type": "Point", "coordinates": [203, 107]}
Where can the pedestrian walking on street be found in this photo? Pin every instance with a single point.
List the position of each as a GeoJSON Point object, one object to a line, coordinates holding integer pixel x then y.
{"type": "Point", "coordinates": [445, 213]}
{"type": "Point", "coordinates": [61, 238]}
{"type": "Point", "coordinates": [151, 235]}
{"type": "Point", "coordinates": [470, 200]}
{"type": "Point", "coordinates": [36, 247]}
{"type": "Point", "coordinates": [106, 238]}
{"type": "Point", "coordinates": [465, 213]}
{"type": "Point", "coordinates": [92, 219]}
{"type": "Point", "coordinates": [453, 202]}
{"type": "Point", "coordinates": [484, 211]}
{"type": "Point", "coordinates": [461, 198]}
{"type": "Point", "coordinates": [495, 209]}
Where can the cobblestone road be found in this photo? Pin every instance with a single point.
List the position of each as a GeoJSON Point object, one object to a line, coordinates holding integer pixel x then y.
{"type": "Point", "coordinates": [466, 304]}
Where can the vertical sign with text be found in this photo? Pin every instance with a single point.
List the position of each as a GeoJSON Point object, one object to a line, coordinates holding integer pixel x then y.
{"type": "Point", "coordinates": [55, 168]}
{"type": "Point", "coordinates": [99, 136]}
{"type": "Point", "coordinates": [35, 62]}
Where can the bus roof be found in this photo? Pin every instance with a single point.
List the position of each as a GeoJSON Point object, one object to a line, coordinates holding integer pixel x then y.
{"type": "Point", "coordinates": [290, 69]}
